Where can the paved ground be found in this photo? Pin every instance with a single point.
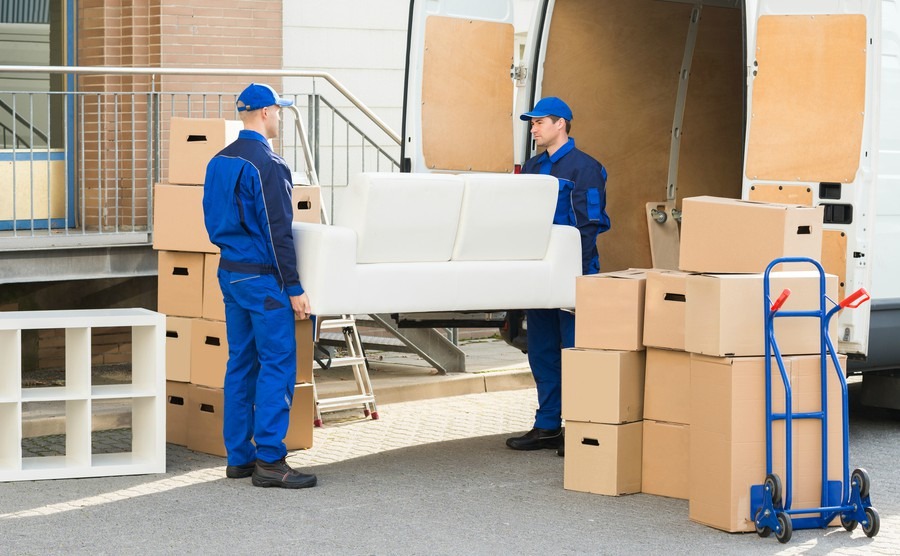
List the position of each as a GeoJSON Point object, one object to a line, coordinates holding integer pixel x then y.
{"type": "Point", "coordinates": [431, 476]}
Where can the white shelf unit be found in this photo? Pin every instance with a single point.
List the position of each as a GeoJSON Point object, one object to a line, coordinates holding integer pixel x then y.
{"type": "Point", "coordinates": [146, 393]}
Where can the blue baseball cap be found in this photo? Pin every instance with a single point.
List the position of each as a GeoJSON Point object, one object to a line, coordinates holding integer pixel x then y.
{"type": "Point", "coordinates": [549, 106]}
{"type": "Point", "coordinates": [257, 95]}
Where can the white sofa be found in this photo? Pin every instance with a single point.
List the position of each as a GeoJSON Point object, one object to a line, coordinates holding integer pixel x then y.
{"type": "Point", "coordinates": [407, 243]}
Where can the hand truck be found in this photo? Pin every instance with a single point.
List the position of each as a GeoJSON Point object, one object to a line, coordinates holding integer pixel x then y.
{"type": "Point", "coordinates": [770, 504]}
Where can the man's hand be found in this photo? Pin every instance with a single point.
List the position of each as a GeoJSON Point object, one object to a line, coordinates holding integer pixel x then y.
{"type": "Point", "coordinates": [300, 305]}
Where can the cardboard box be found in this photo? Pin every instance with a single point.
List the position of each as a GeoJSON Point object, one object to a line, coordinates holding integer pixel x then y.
{"type": "Point", "coordinates": [307, 203]}
{"type": "Point", "coordinates": [724, 313]}
{"type": "Point", "coordinates": [178, 219]}
{"type": "Point", "coordinates": [602, 386]}
{"type": "Point", "coordinates": [177, 406]}
{"type": "Point", "coordinates": [178, 349]}
{"type": "Point", "coordinates": [609, 310]}
{"type": "Point", "coordinates": [732, 235]}
{"type": "Point", "coordinates": [209, 352]}
{"type": "Point", "coordinates": [664, 309]}
{"type": "Point", "coordinates": [180, 284]}
{"type": "Point", "coordinates": [728, 435]}
{"type": "Point", "coordinates": [206, 420]}
{"type": "Point", "coordinates": [213, 302]}
{"type": "Point", "coordinates": [192, 144]}
{"type": "Point", "coordinates": [603, 459]}
{"type": "Point", "coordinates": [665, 459]}
{"type": "Point", "coordinates": [667, 386]}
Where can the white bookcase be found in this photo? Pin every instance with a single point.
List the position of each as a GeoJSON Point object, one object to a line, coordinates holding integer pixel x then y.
{"type": "Point", "coordinates": [146, 394]}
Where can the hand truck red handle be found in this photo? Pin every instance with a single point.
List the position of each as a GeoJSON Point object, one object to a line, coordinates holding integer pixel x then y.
{"type": "Point", "coordinates": [781, 299]}
{"type": "Point", "coordinates": [855, 299]}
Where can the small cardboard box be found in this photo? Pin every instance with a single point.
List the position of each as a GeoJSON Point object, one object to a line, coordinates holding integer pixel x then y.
{"type": "Point", "coordinates": [728, 435]}
{"type": "Point", "coordinates": [192, 144]}
{"type": "Point", "coordinates": [667, 386]}
{"type": "Point", "coordinates": [609, 310]}
{"type": "Point", "coordinates": [213, 302]}
{"type": "Point", "coordinates": [177, 405]}
{"type": "Point", "coordinates": [603, 459]}
{"type": "Point", "coordinates": [178, 219]}
{"type": "Point", "coordinates": [178, 349]}
{"type": "Point", "coordinates": [180, 284]}
{"type": "Point", "coordinates": [732, 235]}
{"type": "Point", "coordinates": [724, 315]}
{"type": "Point", "coordinates": [601, 386]}
{"type": "Point", "coordinates": [664, 309]}
{"type": "Point", "coordinates": [206, 420]}
{"type": "Point", "coordinates": [665, 459]}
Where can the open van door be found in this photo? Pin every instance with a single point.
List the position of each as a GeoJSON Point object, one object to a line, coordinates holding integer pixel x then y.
{"type": "Point", "coordinates": [812, 129]}
{"type": "Point", "coordinates": [458, 101]}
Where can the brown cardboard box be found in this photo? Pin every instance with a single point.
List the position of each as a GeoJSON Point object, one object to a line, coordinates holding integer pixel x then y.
{"type": "Point", "coordinates": [603, 459]}
{"type": "Point", "coordinates": [178, 219]}
{"type": "Point", "coordinates": [209, 352]}
{"type": "Point", "coordinates": [732, 235]}
{"type": "Point", "coordinates": [307, 204]}
{"type": "Point", "coordinates": [206, 420]}
{"type": "Point", "coordinates": [724, 313]}
{"type": "Point", "coordinates": [609, 310]}
{"type": "Point", "coordinates": [192, 144]}
{"type": "Point", "coordinates": [728, 435]}
{"type": "Point", "coordinates": [667, 386]}
{"type": "Point", "coordinates": [178, 349]}
{"type": "Point", "coordinates": [664, 307]}
{"type": "Point", "coordinates": [601, 386]}
{"type": "Point", "coordinates": [665, 459]}
{"type": "Point", "coordinates": [180, 284]}
{"type": "Point", "coordinates": [213, 303]}
{"type": "Point", "coordinates": [177, 405]}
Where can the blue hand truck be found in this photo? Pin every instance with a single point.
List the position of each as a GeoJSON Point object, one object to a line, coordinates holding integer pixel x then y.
{"type": "Point", "coordinates": [770, 504]}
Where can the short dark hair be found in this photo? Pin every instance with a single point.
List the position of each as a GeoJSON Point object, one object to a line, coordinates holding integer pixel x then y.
{"type": "Point", "coordinates": [568, 123]}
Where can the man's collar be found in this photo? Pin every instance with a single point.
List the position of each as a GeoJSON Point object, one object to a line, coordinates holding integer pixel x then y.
{"type": "Point", "coordinates": [563, 150]}
{"type": "Point", "coordinates": [251, 134]}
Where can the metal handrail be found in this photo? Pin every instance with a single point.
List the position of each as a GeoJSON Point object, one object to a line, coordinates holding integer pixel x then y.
{"type": "Point", "coordinates": [152, 71]}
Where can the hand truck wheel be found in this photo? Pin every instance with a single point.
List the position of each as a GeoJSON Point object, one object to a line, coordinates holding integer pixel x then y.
{"type": "Point", "coordinates": [861, 477]}
{"type": "Point", "coordinates": [765, 530]}
{"type": "Point", "coordinates": [773, 487]}
{"type": "Point", "coordinates": [872, 524]}
{"type": "Point", "coordinates": [848, 524]}
{"type": "Point", "coordinates": [786, 529]}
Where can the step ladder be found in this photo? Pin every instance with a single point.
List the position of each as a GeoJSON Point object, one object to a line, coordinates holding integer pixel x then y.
{"type": "Point", "coordinates": [356, 359]}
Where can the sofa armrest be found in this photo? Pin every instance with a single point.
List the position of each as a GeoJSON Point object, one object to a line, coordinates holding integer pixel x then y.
{"type": "Point", "coordinates": [326, 260]}
{"type": "Point", "coordinates": [564, 256]}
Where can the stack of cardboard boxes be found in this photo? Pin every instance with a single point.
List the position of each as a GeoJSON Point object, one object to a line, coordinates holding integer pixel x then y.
{"type": "Point", "coordinates": [703, 435]}
{"type": "Point", "coordinates": [189, 294]}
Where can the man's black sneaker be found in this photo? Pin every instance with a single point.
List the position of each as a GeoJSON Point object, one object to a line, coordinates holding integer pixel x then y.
{"type": "Point", "coordinates": [280, 474]}
{"type": "Point", "coordinates": [240, 471]}
{"type": "Point", "coordinates": [537, 439]}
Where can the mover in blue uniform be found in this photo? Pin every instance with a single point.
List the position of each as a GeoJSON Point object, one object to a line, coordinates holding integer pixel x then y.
{"type": "Point", "coordinates": [247, 210]}
{"type": "Point", "coordinates": [581, 203]}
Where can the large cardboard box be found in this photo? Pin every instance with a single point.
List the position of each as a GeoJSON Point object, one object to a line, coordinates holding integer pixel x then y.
{"type": "Point", "coordinates": [667, 386]}
{"type": "Point", "coordinates": [724, 313]}
{"type": "Point", "coordinates": [307, 204]}
{"type": "Point", "coordinates": [601, 386]}
{"type": "Point", "coordinates": [178, 219]}
{"type": "Point", "coordinates": [206, 420]}
{"type": "Point", "coordinates": [177, 406]}
{"type": "Point", "coordinates": [728, 435]}
{"type": "Point", "coordinates": [180, 284]}
{"type": "Point", "coordinates": [178, 349]}
{"type": "Point", "coordinates": [665, 459]}
{"type": "Point", "coordinates": [213, 302]}
{"type": "Point", "coordinates": [209, 352]}
{"type": "Point", "coordinates": [732, 235]}
{"type": "Point", "coordinates": [192, 144]}
{"type": "Point", "coordinates": [609, 310]}
{"type": "Point", "coordinates": [603, 459]}
{"type": "Point", "coordinates": [664, 309]}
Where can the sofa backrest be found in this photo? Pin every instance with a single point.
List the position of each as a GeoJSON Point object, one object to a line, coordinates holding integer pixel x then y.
{"type": "Point", "coordinates": [402, 217]}
{"type": "Point", "coordinates": [505, 217]}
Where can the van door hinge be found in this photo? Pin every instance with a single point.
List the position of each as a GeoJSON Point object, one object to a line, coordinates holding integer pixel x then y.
{"type": "Point", "coordinates": [518, 74]}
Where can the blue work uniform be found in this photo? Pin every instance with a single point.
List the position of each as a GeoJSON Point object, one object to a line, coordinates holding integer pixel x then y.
{"type": "Point", "coordinates": [581, 203]}
{"type": "Point", "coordinates": [248, 214]}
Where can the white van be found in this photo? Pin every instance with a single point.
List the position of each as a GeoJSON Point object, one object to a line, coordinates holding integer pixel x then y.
{"type": "Point", "coordinates": [779, 100]}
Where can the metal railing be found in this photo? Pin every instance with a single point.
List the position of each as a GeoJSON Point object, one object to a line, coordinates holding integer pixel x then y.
{"type": "Point", "coordinates": [80, 165]}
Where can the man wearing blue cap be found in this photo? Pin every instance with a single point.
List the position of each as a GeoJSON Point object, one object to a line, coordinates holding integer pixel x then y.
{"type": "Point", "coordinates": [581, 203]}
{"type": "Point", "coordinates": [248, 214]}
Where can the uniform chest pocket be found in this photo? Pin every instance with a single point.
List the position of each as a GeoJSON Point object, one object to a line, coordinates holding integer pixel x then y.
{"type": "Point", "coordinates": [565, 212]}
{"type": "Point", "coordinates": [594, 209]}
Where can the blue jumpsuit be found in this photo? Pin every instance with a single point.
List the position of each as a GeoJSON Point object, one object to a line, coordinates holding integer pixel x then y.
{"type": "Point", "coordinates": [247, 210]}
{"type": "Point", "coordinates": [581, 203]}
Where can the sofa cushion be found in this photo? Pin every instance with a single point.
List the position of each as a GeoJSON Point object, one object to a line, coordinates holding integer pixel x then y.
{"type": "Point", "coordinates": [402, 217]}
{"type": "Point", "coordinates": [505, 217]}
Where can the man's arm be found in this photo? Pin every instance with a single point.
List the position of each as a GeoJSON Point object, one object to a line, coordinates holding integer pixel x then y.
{"type": "Point", "coordinates": [276, 193]}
